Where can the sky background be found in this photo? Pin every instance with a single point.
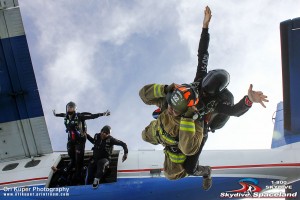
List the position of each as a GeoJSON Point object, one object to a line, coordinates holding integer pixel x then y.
{"type": "Point", "coordinates": [100, 53]}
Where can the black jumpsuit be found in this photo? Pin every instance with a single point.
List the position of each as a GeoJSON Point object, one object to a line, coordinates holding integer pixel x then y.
{"type": "Point", "coordinates": [216, 110]}
{"type": "Point", "coordinates": [76, 129]}
{"type": "Point", "coordinates": [102, 151]}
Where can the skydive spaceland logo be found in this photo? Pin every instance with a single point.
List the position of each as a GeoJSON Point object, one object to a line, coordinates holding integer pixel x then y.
{"type": "Point", "coordinates": [250, 189]}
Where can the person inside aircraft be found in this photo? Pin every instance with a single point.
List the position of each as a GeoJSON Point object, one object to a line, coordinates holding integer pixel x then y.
{"type": "Point", "coordinates": [76, 128]}
{"type": "Point", "coordinates": [176, 128]}
{"type": "Point", "coordinates": [62, 177]}
{"type": "Point", "coordinates": [102, 151]}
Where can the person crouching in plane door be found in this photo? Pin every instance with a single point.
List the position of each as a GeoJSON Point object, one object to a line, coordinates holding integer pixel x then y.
{"type": "Point", "coordinates": [102, 150]}
{"type": "Point", "coordinates": [76, 128]}
{"type": "Point", "coordinates": [217, 103]}
{"type": "Point", "coordinates": [176, 128]}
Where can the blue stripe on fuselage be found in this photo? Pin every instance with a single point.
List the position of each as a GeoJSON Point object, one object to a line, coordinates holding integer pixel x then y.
{"type": "Point", "coordinates": [156, 188]}
{"type": "Point", "coordinates": [19, 96]}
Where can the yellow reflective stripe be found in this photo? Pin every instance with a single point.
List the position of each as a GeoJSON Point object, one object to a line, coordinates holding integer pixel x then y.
{"type": "Point", "coordinates": [171, 141]}
{"type": "Point", "coordinates": [176, 158]}
{"type": "Point", "coordinates": [187, 123]}
{"type": "Point", "coordinates": [187, 126]}
{"type": "Point", "coordinates": [187, 129]}
{"type": "Point", "coordinates": [157, 90]}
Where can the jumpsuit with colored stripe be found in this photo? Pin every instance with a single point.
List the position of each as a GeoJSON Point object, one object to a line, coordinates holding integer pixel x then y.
{"type": "Point", "coordinates": [180, 136]}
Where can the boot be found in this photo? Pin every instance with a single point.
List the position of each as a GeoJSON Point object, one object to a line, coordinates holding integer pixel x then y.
{"type": "Point", "coordinates": [96, 183]}
{"type": "Point", "coordinates": [204, 171]}
{"type": "Point", "coordinates": [207, 180]}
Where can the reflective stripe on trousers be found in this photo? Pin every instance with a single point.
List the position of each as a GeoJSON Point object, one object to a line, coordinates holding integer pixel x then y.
{"type": "Point", "coordinates": [175, 157]}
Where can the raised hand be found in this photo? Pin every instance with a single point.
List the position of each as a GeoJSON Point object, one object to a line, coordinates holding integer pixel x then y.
{"type": "Point", "coordinates": [207, 17]}
{"type": "Point", "coordinates": [106, 113]}
{"type": "Point", "coordinates": [257, 96]}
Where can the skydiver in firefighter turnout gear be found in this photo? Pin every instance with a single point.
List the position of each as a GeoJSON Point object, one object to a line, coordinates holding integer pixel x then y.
{"type": "Point", "coordinates": [217, 103]}
{"type": "Point", "coordinates": [76, 128]}
{"type": "Point", "coordinates": [176, 128]}
{"type": "Point", "coordinates": [102, 151]}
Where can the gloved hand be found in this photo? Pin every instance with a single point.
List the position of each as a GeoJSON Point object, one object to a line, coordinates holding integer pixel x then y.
{"type": "Point", "coordinates": [124, 157]}
{"type": "Point", "coordinates": [190, 112]}
{"type": "Point", "coordinates": [170, 88]}
{"type": "Point", "coordinates": [54, 113]}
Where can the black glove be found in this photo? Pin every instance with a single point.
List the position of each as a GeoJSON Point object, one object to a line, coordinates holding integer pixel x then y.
{"type": "Point", "coordinates": [170, 88]}
{"type": "Point", "coordinates": [124, 157]}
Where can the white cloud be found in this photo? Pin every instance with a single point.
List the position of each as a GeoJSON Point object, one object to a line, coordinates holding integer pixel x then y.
{"type": "Point", "coordinates": [100, 53]}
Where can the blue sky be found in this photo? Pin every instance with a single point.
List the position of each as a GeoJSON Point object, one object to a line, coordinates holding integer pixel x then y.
{"type": "Point", "coordinates": [100, 53]}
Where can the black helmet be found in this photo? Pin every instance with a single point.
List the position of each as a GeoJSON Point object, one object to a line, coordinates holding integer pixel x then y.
{"type": "Point", "coordinates": [215, 81]}
{"type": "Point", "coordinates": [106, 129]}
{"type": "Point", "coordinates": [182, 97]}
{"type": "Point", "coordinates": [71, 104]}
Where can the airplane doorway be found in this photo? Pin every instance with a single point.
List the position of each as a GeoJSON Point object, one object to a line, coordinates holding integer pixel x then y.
{"type": "Point", "coordinates": [61, 179]}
